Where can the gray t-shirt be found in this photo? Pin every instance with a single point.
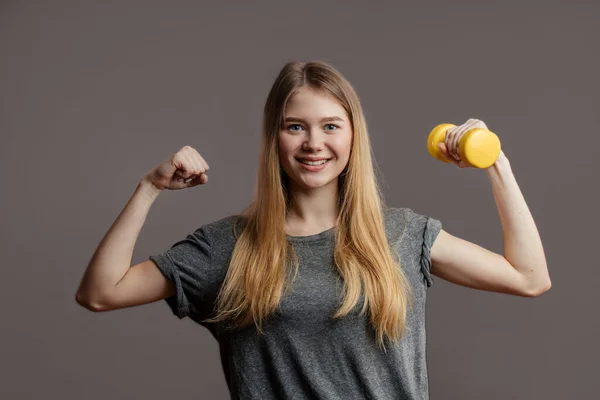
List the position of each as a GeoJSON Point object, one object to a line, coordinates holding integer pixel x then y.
{"type": "Point", "coordinates": [305, 353]}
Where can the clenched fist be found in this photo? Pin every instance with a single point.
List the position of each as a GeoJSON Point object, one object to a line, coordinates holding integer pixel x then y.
{"type": "Point", "coordinates": [184, 169]}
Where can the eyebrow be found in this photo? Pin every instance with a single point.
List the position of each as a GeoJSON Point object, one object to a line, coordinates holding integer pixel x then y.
{"type": "Point", "coordinates": [326, 119]}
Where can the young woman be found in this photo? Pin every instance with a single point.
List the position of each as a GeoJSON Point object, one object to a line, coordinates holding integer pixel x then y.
{"type": "Point", "coordinates": [318, 289]}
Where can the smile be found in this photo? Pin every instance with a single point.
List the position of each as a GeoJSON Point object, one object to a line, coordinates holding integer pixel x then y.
{"type": "Point", "coordinates": [313, 165]}
{"type": "Point", "coordinates": [320, 162]}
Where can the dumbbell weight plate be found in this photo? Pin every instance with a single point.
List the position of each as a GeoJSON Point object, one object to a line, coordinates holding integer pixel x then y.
{"type": "Point", "coordinates": [436, 136]}
{"type": "Point", "coordinates": [479, 147]}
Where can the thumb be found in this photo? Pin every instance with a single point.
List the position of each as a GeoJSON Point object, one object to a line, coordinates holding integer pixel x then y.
{"type": "Point", "coordinates": [199, 180]}
{"type": "Point", "coordinates": [442, 147]}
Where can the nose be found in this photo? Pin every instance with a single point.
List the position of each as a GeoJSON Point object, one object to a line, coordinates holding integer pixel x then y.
{"type": "Point", "coordinates": [313, 142]}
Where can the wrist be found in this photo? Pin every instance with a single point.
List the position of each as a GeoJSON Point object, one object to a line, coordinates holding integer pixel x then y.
{"type": "Point", "coordinates": [500, 162]}
{"type": "Point", "coordinates": [500, 169]}
{"type": "Point", "coordinates": [148, 187]}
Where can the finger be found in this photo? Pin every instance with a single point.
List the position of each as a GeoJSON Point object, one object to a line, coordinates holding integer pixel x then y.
{"type": "Point", "coordinates": [468, 125]}
{"type": "Point", "coordinates": [459, 134]}
{"type": "Point", "coordinates": [196, 168]}
{"type": "Point", "coordinates": [187, 165]}
{"type": "Point", "coordinates": [442, 148]}
{"type": "Point", "coordinates": [197, 180]}
{"type": "Point", "coordinates": [180, 162]}
{"type": "Point", "coordinates": [479, 124]}
{"type": "Point", "coordinates": [198, 161]}
{"type": "Point", "coordinates": [204, 163]}
{"type": "Point", "coordinates": [191, 162]}
{"type": "Point", "coordinates": [446, 146]}
{"type": "Point", "coordinates": [448, 139]}
{"type": "Point", "coordinates": [456, 140]}
{"type": "Point", "coordinates": [451, 142]}
{"type": "Point", "coordinates": [445, 153]}
{"type": "Point", "coordinates": [190, 169]}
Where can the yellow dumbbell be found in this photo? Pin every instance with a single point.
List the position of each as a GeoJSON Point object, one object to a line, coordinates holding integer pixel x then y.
{"type": "Point", "coordinates": [479, 147]}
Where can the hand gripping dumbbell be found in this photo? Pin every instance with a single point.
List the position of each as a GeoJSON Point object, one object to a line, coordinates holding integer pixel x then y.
{"type": "Point", "coordinates": [478, 146]}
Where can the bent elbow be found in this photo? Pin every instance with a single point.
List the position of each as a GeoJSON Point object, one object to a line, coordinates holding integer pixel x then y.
{"type": "Point", "coordinates": [83, 301]}
{"type": "Point", "coordinates": [538, 291]}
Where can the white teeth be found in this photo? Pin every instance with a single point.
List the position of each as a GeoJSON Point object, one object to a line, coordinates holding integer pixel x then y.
{"type": "Point", "coordinates": [313, 162]}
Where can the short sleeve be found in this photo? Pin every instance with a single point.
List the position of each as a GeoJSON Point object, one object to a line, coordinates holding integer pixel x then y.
{"type": "Point", "coordinates": [187, 264]}
{"type": "Point", "coordinates": [426, 230]}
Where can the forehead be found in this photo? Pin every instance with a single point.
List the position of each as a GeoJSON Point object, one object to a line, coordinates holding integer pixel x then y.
{"type": "Point", "coordinates": [310, 103]}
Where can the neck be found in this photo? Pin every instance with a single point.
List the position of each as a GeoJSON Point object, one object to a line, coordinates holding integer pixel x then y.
{"type": "Point", "coordinates": [313, 209]}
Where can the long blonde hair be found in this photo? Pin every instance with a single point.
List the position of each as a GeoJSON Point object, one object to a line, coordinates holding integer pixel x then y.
{"type": "Point", "coordinates": [256, 277]}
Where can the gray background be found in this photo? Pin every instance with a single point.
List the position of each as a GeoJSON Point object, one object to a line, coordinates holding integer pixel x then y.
{"type": "Point", "coordinates": [94, 95]}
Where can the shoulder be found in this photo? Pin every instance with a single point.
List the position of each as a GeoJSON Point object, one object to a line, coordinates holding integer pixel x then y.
{"type": "Point", "coordinates": [410, 224]}
{"type": "Point", "coordinates": [401, 217]}
{"type": "Point", "coordinates": [223, 230]}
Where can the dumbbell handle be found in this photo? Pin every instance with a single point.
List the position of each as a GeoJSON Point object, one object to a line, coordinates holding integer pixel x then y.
{"type": "Point", "coordinates": [478, 146]}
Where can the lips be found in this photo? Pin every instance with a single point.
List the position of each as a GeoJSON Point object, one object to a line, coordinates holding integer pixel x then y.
{"type": "Point", "coordinates": [312, 159]}
{"type": "Point", "coordinates": [312, 163]}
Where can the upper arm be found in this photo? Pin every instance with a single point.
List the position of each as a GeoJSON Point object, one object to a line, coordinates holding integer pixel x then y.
{"type": "Point", "coordinates": [182, 275]}
{"type": "Point", "coordinates": [143, 283]}
{"type": "Point", "coordinates": [468, 264]}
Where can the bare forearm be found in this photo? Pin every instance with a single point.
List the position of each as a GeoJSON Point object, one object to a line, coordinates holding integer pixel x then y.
{"type": "Point", "coordinates": [522, 243]}
{"type": "Point", "coordinates": [112, 258]}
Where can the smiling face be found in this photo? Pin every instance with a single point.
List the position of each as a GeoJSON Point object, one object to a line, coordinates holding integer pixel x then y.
{"type": "Point", "coordinates": [316, 127]}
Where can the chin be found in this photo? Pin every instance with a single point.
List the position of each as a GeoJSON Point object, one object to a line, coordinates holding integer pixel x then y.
{"type": "Point", "coordinates": [315, 183]}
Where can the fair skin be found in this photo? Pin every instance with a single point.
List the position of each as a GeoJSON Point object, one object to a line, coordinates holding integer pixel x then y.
{"type": "Point", "coordinates": [110, 283]}
{"type": "Point", "coordinates": [522, 269]}
{"type": "Point", "coordinates": [315, 126]}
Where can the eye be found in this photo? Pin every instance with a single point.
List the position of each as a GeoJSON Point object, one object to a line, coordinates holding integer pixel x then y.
{"type": "Point", "coordinates": [291, 126]}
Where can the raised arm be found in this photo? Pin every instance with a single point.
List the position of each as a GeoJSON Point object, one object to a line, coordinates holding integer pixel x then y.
{"type": "Point", "coordinates": [112, 258]}
{"type": "Point", "coordinates": [109, 282]}
{"type": "Point", "coordinates": [523, 269]}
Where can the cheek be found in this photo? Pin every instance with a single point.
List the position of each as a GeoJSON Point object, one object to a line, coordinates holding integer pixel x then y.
{"type": "Point", "coordinates": [286, 149]}
{"type": "Point", "coordinates": [286, 143]}
{"type": "Point", "coordinates": [342, 145]}
{"type": "Point", "coordinates": [283, 146]}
